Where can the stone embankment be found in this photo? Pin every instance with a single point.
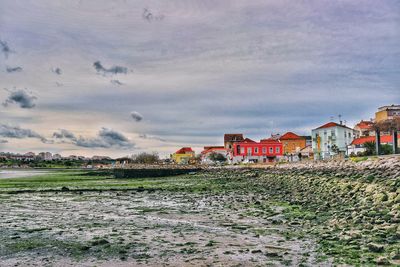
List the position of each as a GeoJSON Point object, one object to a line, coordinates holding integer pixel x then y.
{"type": "Point", "coordinates": [352, 208]}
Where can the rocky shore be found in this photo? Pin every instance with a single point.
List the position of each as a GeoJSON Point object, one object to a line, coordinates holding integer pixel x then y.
{"type": "Point", "coordinates": [352, 208]}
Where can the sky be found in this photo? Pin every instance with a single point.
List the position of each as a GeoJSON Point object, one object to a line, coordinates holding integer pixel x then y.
{"type": "Point", "coordinates": [122, 77]}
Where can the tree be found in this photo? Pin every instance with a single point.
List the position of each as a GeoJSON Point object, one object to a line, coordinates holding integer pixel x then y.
{"type": "Point", "coordinates": [146, 158]}
{"type": "Point", "coordinates": [217, 157]}
{"type": "Point", "coordinates": [335, 149]}
{"type": "Point", "coordinates": [386, 149]}
{"type": "Point", "coordinates": [369, 148]}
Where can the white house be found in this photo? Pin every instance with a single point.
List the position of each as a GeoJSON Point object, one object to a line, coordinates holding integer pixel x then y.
{"type": "Point", "coordinates": [331, 139]}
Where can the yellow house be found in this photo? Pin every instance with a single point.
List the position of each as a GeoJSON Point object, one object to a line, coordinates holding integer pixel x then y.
{"type": "Point", "coordinates": [387, 113]}
{"type": "Point", "coordinates": [183, 155]}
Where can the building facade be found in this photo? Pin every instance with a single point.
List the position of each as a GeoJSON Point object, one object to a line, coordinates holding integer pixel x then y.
{"type": "Point", "coordinates": [183, 155]}
{"type": "Point", "coordinates": [230, 139]}
{"type": "Point", "coordinates": [209, 150]}
{"type": "Point", "coordinates": [387, 113]}
{"type": "Point", "coordinates": [267, 150]}
{"type": "Point", "coordinates": [357, 145]}
{"type": "Point", "coordinates": [364, 128]}
{"type": "Point", "coordinates": [292, 143]}
{"type": "Point", "coordinates": [331, 139]}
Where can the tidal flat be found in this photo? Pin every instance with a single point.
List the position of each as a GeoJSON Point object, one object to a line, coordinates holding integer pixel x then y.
{"type": "Point", "coordinates": [210, 218]}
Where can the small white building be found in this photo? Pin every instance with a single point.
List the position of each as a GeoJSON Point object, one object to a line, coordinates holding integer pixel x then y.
{"type": "Point", "coordinates": [331, 139]}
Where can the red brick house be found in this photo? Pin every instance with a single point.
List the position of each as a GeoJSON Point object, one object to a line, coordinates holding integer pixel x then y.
{"type": "Point", "coordinates": [267, 150]}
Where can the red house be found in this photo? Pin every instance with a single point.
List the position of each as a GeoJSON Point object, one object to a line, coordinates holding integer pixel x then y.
{"type": "Point", "coordinates": [267, 150]}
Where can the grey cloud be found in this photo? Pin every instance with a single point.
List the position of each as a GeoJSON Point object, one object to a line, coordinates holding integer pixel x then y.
{"type": "Point", "coordinates": [106, 138]}
{"type": "Point", "coordinates": [148, 15]}
{"type": "Point", "coordinates": [20, 97]}
{"type": "Point", "coordinates": [116, 82]}
{"type": "Point", "coordinates": [113, 70]}
{"type": "Point", "coordinates": [20, 133]}
{"type": "Point", "coordinates": [151, 137]}
{"type": "Point", "coordinates": [57, 71]}
{"type": "Point", "coordinates": [5, 48]}
{"type": "Point", "coordinates": [62, 133]}
{"type": "Point", "coordinates": [136, 116]}
{"type": "Point", "coordinates": [59, 84]}
{"type": "Point", "coordinates": [13, 69]}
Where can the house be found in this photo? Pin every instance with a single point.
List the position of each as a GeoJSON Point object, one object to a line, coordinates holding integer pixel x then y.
{"type": "Point", "coordinates": [364, 128]}
{"type": "Point", "coordinates": [387, 113]}
{"type": "Point", "coordinates": [292, 143]}
{"type": "Point", "coordinates": [267, 150]}
{"type": "Point", "coordinates": [357, 146]}
{"type": "Point", "coordinates": [209, 150]}
{"type": "Point", "coordinates": [230, 139]}
{"type": "Point", "coordinates": [183, 155]}
{"type": "Point", "coordinates": [307, 152]}
{"type": "Point", "coordinates": [45, 156]}
{"type": "Point", "coordinates": [331, 139]}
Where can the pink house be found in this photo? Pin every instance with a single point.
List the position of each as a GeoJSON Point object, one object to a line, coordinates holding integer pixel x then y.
{"type": "Point", "coordinates": [267, 150]}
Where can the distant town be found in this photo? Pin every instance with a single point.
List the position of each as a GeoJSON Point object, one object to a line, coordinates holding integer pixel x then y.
{"type": "Point", "coordinates": [377, 136]}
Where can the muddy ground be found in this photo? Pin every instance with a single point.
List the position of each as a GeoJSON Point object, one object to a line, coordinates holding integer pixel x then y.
{"type": "Point", "coordinates": [149, 228]}
{"type": "Point", "coordinates": [145, 228]}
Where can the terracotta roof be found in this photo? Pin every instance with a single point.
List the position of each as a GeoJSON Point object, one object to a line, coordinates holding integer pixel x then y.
{"type": "Point", "coordinates": [269, 140]}
{"type": "Point", "coordinates": [365, 124]}
{"type": "Point", "coordinates": [214, 147]}
{"type": "Point", "coordinates": [247, 140]}
{"type": "Point", "coordinates": [290, 135]}
{"type": "Point", "coordinates": [333, 124]}
{"type": "Point", "coordinates": [208, 149]}
{"type": "Point", "coordinates": [184, 150]}
{"type": "Point", "coordinates": [385, 139]}
{"type": "Point", "coordinates": [233, 137]}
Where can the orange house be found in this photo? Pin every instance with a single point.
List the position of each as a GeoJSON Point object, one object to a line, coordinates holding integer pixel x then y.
{"type": "Point", "coordinates": [292, 143]}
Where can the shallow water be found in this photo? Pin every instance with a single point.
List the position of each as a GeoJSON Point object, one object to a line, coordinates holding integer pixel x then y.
{"type": "Point", "coordinates": [4, 174]}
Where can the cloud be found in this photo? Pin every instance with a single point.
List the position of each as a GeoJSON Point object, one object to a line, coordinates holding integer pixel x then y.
{"type": "Point", "coordinates": [59, 84]}
{"type": "Point", "coordinates": [13, 69]}
{"type": "Point", "coordinates": [136, 116]}
{"type": "Point", "coordinates": [22, 98]}
{"type": "Point", "coordinates": [116, 82]}
{"type": "Point", "coordinates": [5, 48]}
{"type": "Point", "coordinates": [151, 137]}
{"type": "Point", "coordinates": [20, 133]}
{"type": "Point", "coordinates": [113, 70]}
{"type": "Point", "coordinates": [57, 71]}
{"type": "Point", "coordinates": [64, 134]}
{"type": "Point", "coordinates": [149, 17]}
{"type": "Point", "coordinates": [106, 138]}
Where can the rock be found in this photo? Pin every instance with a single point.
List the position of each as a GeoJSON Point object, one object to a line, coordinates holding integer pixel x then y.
{"type": "Point", "coordinates": [373, 247]}
{"type": "Point", "coordinates": [64, 188]}
{"type": "Point", "coordinates": [382, 261]}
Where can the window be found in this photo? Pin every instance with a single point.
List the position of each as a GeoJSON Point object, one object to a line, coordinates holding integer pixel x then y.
{"type": "Point", "coordinates": [277, 150]}
{"type": "Point", "coordinates": [256, 150]}
{"type": "Point", "coordinates": [349, 135]}
{"type": "Point", "coordinates": [332, 132]}
{"type": "Point", "coordinates": [249, 151]}
{"type": "Point", "coordinates": [242, 150]}
{"type": "Point", "coordinates": [264, 150]}
{"type": "Point", "coordinates": [271, 150]}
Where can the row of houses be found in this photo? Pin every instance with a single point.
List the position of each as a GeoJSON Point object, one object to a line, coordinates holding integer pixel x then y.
{"type": "Point", "coordinates": [46, 156]}
{"type": "Point", "coordinates": [326, 141]}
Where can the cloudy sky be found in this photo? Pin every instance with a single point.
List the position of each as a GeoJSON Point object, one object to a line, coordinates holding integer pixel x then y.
{"type": "Point", "coordinates": [120, 77]}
